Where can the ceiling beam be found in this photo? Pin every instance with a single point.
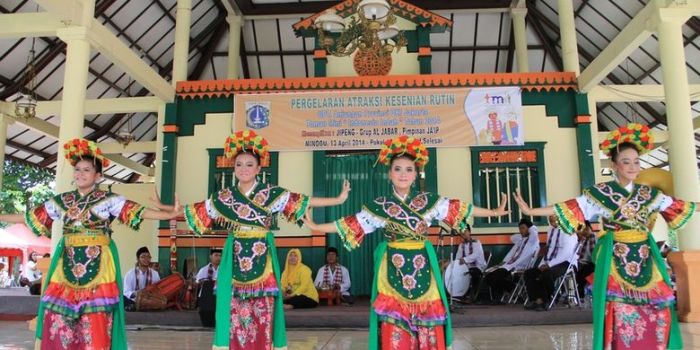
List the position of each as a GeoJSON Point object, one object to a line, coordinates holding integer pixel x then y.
{"type": "Point", "coordinates": [105, 105]}
{"type": "Point", "coordinates": [634, 34]}
{"type": "Point", "coordinates": [27, 25]}
{"type": "Point", "coordinates": [248, 8]}
{"type": "Point", "coordinates": [111, 47]}
{"type": "Point", "coordinates": [636, 93]}
{"type": "Point", "coordinates": [130, 164]}
{"type": "Point", "coordinates": [549, 46]}
{"type": "Point", "coordinates": [133, 147]}
{"type": "Point", "coordinates": [210, 46]}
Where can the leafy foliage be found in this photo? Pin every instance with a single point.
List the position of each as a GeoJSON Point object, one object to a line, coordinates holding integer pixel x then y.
{"type": "Point", "coordinates": [24, 186]}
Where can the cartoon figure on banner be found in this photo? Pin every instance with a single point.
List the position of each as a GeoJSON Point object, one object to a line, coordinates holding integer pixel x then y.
{"type": "Point", "coordinates": [510, 136]}
{"type": "Point", "coordinates": [496, 115]}
{"type": "Point", "coordinates": [257, 114]}
{"type": "Point", "coordinates": [494, 128]}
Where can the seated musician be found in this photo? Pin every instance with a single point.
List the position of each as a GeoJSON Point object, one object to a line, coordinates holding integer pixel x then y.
{"type": "Point", "coordinates": [525, 246]}
{"type": "Point", "coordinates": [139, 278]}
{"type": "Point", "coordinates": [210, 270]}
{"type": "Point", "coordinates": [561, 252]}
{"type": "Point", "coordinates": [334, 276]}
{"type": "Point", "coordinates": [587, 241]}
{"type": "Point", "coordinates": [471, 253]}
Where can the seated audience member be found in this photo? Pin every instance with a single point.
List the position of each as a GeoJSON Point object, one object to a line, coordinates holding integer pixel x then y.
{"type": "Point", "coordinates": [5, 280]}
{"type": "Point", "coordinates": [471, 253]}
{"type": "Point", "coordinates": [561, 252]}
{"type": "Point", "coordinates": [32, 275]}
{"type": "Point", "coordinates": [211, 270]}
{"type": "Point", "coordinates": [334, 276]}
{"type": "Point", "coordinates": [525, 245]}
{"type": "Point", "coordinates": [138, 278]}
{"type": "Point", "coordinates": [206, 279]}
{"type": "Point", "coordinates": [587, 241]}
{"type": "Point", "coordinates": [298, 287]}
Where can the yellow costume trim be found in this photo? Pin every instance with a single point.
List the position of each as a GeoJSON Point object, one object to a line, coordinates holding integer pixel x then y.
{"type": "Point", "coordinates": [629, 236]}
{"type": "Point", "coordinates": [86, 240]}
{"type": "Point", "coordinates": [680, 220]}
{"type": "Point", "coordinates": [106, 274]}
{"type": "Point", "coordinates": [384, 287]}
{"type": "Point", "coordinates": [253, 233]}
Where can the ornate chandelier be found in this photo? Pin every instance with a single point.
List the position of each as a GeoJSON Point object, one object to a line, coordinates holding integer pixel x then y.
{"type": "Point", "coordinates": [25, 106]}
{"type": "Point", "coordinates": [373, 33]}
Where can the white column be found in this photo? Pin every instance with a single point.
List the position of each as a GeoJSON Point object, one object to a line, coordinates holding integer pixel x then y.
{"type": "Point", "coordinates": [520, 37]}
{"type": "Point", "coordinates": [73, 107]}
{"type": "Point", "coordinates": [3, 140]}
{"type": "Point", "coordinates": [567, 27]}
{"type": "Point", "coordinates": [181, 51]}
{"type": "Point", "coordinates": [681, 142]}
{"type": "Point", "coordinates": [234, 45]}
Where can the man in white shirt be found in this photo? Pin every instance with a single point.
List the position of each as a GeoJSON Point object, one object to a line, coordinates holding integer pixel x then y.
{"type": "Point", "coordinates": [471, 253]}
{"type": "Point", "coordinates": [587, 241]}
{"type": "Point", "coordinates": [32, 274]}
{"type": "Point", "coordinates": [525, 245]}
{"type": "Point", "coordinates": [561, 252]}
{"type": "Point", "coordinates": [206, 279]}
{"type": "Point", "coordinates": [138, 278]}
{"type": "Point", "coordinates": [211, 270]}
{"type": "Point", "coordinates": [334, 276]}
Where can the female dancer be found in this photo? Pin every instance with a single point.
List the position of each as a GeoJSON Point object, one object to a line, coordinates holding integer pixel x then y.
{"type": "Point", "coordinates": [82, 305]}
{"type": "Point", "coordinates": [633, 303]}
{"type": "Point", "coordinates": [255, 319]}
{"type": "Point", "coordinates": [408, 297]}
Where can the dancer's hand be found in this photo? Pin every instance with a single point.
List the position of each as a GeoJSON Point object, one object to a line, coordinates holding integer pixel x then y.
{"type": "Point", "coordinates": [501, 210]}
{"type": "Point", "coordinates": [524, 207]}
{"type": "Point", "coordinates": [309, 221]}
{"type": "Point", "coordinates": [343, 196]}
{"type": "Point", "coordinates": [155, 198]}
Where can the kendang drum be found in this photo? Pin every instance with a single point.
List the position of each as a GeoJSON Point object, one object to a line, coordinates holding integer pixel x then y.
{"type": "Point", "coordinates": [149, 300]}
{"type": "Point", "coordinates": [457, 279]}
{"type": "Point", "coordinates": [168, 288]}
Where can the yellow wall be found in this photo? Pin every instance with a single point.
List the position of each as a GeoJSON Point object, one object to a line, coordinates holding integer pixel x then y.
{"type": "Point", "coordinates": [128, 241]}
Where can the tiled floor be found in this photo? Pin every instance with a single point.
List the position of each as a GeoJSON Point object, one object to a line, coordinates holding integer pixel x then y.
{"type": "Point", "coordinates": [15, 336]}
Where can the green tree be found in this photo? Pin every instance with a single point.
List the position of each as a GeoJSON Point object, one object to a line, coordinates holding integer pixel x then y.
{"type": "Point", "coordinates": [24, 186]}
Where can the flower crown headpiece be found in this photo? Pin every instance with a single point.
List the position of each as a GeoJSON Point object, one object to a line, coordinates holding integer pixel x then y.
{"type": "Point", "coordinates": [247, 141]}
{"type": "Point", "coordinates": [76, 149]}
{"type": "Point", "coordinates": [637, 134]}
{"type": "Point", "coordinates": [403, 145]}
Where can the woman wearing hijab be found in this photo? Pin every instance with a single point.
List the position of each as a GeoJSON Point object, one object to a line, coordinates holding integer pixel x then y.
{"type": "Point", "coordinates": [299, 289]}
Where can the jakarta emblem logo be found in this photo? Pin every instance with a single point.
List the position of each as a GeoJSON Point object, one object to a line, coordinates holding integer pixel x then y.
{"type": "Point", "coordinates": [257, 114]}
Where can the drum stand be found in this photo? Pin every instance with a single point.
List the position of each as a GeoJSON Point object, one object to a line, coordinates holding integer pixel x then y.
{"type": "Point", "coordinates": [452, 277]}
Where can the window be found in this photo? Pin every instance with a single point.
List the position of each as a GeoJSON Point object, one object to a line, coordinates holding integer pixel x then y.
{"type": "Point", "coordinates": [503, 169]}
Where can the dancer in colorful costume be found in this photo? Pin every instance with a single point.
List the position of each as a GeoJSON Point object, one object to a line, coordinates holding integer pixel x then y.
{"type": "Point", "coordinates": [82, 306]}
{"type": "Point", "coordinates": [409, 306]}
{"type": "Point", "coordinates": [633, 303]}
{"type": "Point", "coordinates": [255, 318]}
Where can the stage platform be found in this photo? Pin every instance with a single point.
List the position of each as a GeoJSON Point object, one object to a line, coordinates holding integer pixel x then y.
{"type": "Point", "coordinates": [17, 304]}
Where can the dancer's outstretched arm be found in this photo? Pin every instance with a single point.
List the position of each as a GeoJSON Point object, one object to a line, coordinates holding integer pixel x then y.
{"type": "Point", "coordinates": [525, 208]}
{"type": "Point", "coordinates": [331, 201]}
{"type": "Point", "coordinates": [328, 227]}
{"type": "Point", "coordinates": [168, 212]}
{"type": "Point", "coordinates": [12, 218]}
{"type": "Point", "coordinates": [500, 211]}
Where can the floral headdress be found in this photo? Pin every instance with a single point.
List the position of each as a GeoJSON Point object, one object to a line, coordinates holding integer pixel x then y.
{"type": "Point", "coordinates": [637, 134]}
{"type": "Point", "coordinates": [76, 149]}
{"type": "Point", "coordinates": [247, 141]}
{"type": "Point", "coordinates": [403, 145]}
